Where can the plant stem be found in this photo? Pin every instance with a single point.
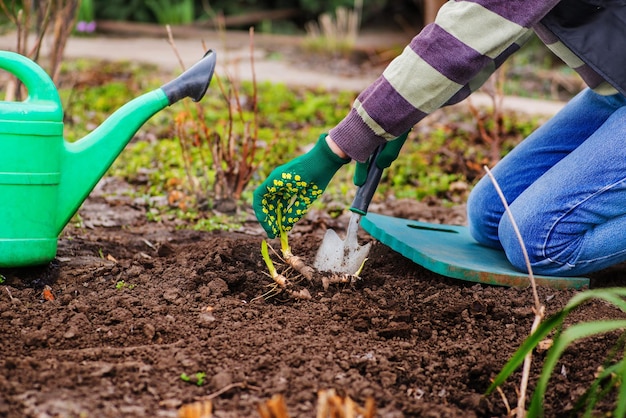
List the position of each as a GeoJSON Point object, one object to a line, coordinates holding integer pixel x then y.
{"type": "Point", "coordinates": [268, 261]}
{"type": "Point", "coordinates": [539, 308]}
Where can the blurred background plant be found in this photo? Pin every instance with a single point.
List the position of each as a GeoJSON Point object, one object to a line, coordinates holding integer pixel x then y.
{"type": "Point", "coordinates": [281, 15]}
{"type": "Point", "coordinates": [124, 10]}
{"type": "Point", "coordinates": [53, 19]}
{"type": "Point", "coordinates": [172, 12]}
{"type": "Point", "coordinates": [336, 33]}
{"type": "Point", "coordinates": [86, 20]}
{"type": "Point", "coordinates": [229, 149]}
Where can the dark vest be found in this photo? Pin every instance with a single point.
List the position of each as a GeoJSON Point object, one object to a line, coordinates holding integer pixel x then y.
{"type": "Point", "coordinates": [595, 30]}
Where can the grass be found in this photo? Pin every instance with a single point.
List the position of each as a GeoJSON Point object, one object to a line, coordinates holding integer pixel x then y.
{"type": "Point", "coordinates": [611, 374]}
{"type": "Point", "coordinates": [445, 149]}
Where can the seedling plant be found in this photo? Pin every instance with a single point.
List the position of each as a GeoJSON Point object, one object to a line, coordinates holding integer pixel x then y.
{"type": "Point", "coordinates": [297, 269]}
{"type": "Point", "coordinates": [196, 379]}
{"type": "Point", "coordinates": [121, 285]}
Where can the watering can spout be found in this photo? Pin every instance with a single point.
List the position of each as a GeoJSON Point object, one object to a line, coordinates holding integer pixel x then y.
{"type": "Point", "coordinates": [85, 161]}
{"type": "Point", "coordinates": [192, 83]}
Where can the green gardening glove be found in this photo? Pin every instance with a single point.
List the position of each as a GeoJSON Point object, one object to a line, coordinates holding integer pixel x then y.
{"type": "Point", "coordinates": [385, 158]}
{"type": "Point", "coordinates": [285, 196]}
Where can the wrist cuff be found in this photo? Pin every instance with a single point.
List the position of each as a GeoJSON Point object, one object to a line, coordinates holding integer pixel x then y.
{"type": "Point", "coordinates": [328, 153]}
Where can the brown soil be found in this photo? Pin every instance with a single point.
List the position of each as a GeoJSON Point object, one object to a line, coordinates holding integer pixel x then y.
{"type": "Point", "coordinates": [418, 343]}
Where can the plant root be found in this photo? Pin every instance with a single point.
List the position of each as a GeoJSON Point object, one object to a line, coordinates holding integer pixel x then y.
{"type": "Point", "coordinates": [284, 283]}
{"type": "Point", "coordinates": [287, 287]}
{"type": "Point", "coordinates": [295, 262]}
{"type": "Point", "coordinates": [339, 279]}
{"type": "Point", "coordinates": [280, 280]}
{"type": "Point", "coordinates": [298, 264]}
{"type": "Point", "coordinates": [302, 294]}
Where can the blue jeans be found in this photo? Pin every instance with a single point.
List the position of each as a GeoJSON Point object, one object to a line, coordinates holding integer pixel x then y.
{"type": "Point", "coordinates": [566, 187]}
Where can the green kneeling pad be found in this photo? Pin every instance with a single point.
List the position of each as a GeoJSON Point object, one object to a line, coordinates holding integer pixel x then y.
{"type": "Point", "coordinates": [451, 251]}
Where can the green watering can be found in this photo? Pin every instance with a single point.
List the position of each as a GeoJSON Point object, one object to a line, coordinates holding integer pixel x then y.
{"type": "Point", "coordinates": [43, 178]}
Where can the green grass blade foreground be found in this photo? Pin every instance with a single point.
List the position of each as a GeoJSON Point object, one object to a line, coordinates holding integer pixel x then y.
{"type": "Point", "coordinates": [620, 410]}
{"type": "Point", "coordinates": [562, 340]}
{"type": "Point", "coordinates": [565, 339]}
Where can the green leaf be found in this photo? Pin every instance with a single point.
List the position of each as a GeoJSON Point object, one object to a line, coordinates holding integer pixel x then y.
{"type": "Point", "coordinates": [613, 295]}
{"type": "Point", "coordinates": [591, 395]}
{"type": "Point", "coordinates": [562, 340]}
{"type": "Point", "coordinates": [527, 347]}
{"type": "Point", "coordinates": [200, 378]}
{"type": "Point", "coordinates": [567, 337]}
{"type": "Point", "coordinates": [620, 409]}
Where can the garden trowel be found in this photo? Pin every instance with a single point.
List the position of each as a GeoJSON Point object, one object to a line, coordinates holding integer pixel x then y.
{"type": "Point", "coordinates": [346, 256]}
{"type": "Point", "coordinates": [448, 250]}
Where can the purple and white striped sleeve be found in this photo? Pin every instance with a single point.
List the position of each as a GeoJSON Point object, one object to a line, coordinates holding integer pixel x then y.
{"type": "Point", "coordinates": [443, 64]}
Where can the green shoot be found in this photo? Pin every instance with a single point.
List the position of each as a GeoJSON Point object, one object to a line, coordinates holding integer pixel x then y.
{"type": "Point", "coordinates": [274, 274]}
{"type": "Point", "coordinates": [284, 239]}
{"type": "Point", "coordinates": [609, 376]}
{"type": "Point", "coordinates": [292, 260]}
{"type": "Point", "coordinates": [268, 261]}
{"type": "Point", "coordinates": [197, 379]}
{"type": "Point", "coordinates": [358, 272]}
{"type": "Point", "coordinates": [284, 243]}
{"type": "Point", "coordinates": [200, 378]}
{"type": "Point", "coordinates": [121, 285]}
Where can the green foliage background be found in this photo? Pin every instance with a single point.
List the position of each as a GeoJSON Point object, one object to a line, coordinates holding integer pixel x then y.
{"type": "Point", "coordinates": [156, 10]}
{"type": "Point", "coordinates": [437, 155]}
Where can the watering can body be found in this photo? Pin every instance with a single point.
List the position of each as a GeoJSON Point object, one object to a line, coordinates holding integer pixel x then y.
{"type": "Point", "coordinates": [43, 178]}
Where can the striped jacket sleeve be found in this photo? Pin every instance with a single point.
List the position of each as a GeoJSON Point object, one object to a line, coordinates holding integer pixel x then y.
{"type": "Point", "coordinates": [587, 73]}
{"type": "Point", "coordinates": [443, 64]}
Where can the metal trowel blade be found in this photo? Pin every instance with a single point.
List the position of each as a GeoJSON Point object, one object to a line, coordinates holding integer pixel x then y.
{"type": "Point", "coordinates": [342, 256]}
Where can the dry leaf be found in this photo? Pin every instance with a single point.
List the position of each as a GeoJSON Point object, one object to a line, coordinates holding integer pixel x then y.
{"type": "Point", "coordinates": [331, 405]}
{"type": "Point", "coordinates": [202, 409]}
{"type": "Point", "coordinates": [47, 293]}
{"type": "Point", "coordinates": [544, 345]}
{"type": "Point", "coordinates": [273, 408]}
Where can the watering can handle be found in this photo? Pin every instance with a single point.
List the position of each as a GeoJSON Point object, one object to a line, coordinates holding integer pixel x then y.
{"type": "Point", "coordinates": [366, 191]}
{"type": "Point", "coordinates": [37, 81]}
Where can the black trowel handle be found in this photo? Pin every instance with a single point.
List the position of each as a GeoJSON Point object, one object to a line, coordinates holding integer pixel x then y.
{"type": "Point", "coordinates": [365, 193]}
